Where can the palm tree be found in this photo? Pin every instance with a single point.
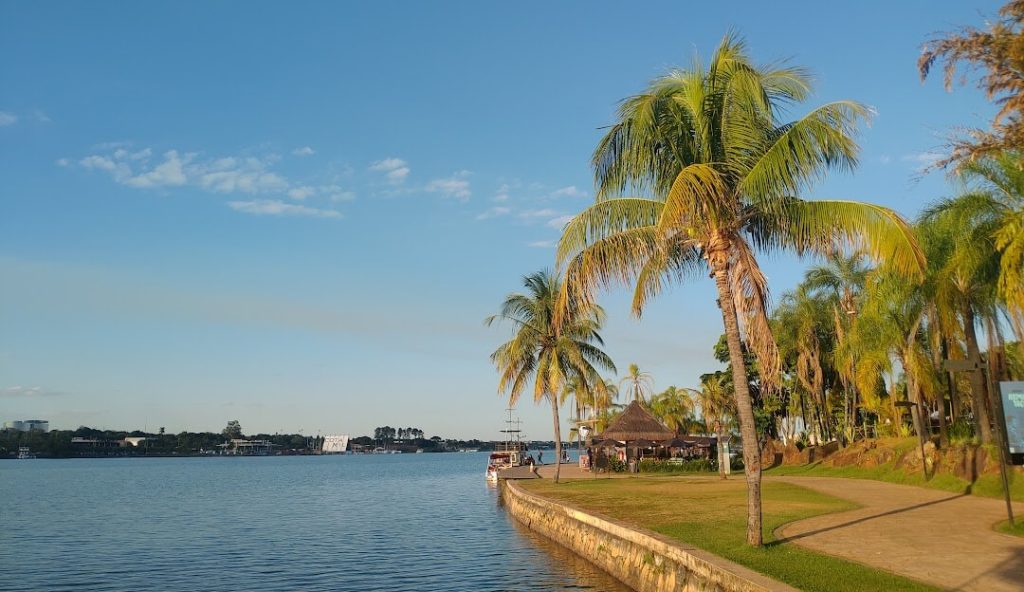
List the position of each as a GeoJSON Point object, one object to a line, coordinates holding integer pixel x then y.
{"type": "Point", "coordinates": [548, 347]}
{"type": "Point", "coordinates": [639, 384]}
{"type": "Point", "coordinates": [717, 407]}
{"type": "Point", "coordinates": [719, 174]}
{"type": "Point", "coordinates": [800, 324]}
{"type": "Point", "coordinates": [842, 278]}
{"type": "Point", "coordinates": [674, 406]}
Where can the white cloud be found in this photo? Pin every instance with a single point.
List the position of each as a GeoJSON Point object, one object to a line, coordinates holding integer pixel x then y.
{"type": "Point", "coordinates": [41, 116]}
{"type": "Point", "coordinates": [7, 118]}
{"type": "Point", "coordinates": [560, 222]}
{"type": "Point", "coordinates": [541, 213]}
{"type": "Point", "coordinates": [494, 213]}
{"type": "Point", "coordinates": [336, 193]}
{"type": "Point", "coordinates": [304, 151]}
{"type": "Point", "coordinates": [272, 207]}
{"type": "Point", "coordinates": [27, 392]}
{"type": "Point", "coordinates": [169, 173]}
{"type": "Point", "coordinates": [395, 169]}
{"type": "Point", "coordinates": [570, 191]}
{"type": "Point", "coordinates": [544, 244]}
{"type": "Point", "coordinates": [455, 186]}
{"type": "Point", "coordinates": [248, 175]}
{"type": "Point", "coordinates": [885, 159]}
{"type": "Point", "coordinates": [502, 194]}
{"type": "Point", "coordinates": [301, 193]}
{"type": "Point", "coordinates": [923, 158]}
{"type": "Point", "coordinates": [244, 175]}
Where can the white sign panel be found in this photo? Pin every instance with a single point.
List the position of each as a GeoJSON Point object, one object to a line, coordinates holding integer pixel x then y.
{"type": "Point", "coordinates": [335, 443]}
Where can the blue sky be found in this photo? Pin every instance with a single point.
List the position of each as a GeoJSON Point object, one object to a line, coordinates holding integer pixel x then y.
{"type": "Point", "coordinates": [297, 216]}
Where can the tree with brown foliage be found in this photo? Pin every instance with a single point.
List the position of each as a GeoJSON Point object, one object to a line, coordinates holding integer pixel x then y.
{"type": "Point", "coordinates": [997, 53]}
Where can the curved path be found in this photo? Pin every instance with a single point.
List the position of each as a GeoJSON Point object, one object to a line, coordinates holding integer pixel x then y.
{"type": "Point", "coordinates": [941, 538]}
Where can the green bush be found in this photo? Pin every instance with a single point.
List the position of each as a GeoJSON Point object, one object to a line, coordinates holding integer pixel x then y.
{"type": "Point", "coordinates": [617, 466]}
{"type": "Point", "coordinates": [699, 465]}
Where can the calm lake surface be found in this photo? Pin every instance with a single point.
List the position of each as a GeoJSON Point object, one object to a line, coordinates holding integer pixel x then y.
{"type": "Point", "coordinates": [367, 522]}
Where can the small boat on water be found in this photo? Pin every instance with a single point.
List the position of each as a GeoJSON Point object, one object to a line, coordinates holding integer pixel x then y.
{"type": "Point", "coordinates": [507, 454]}
{"type": "Point", "coordinates": [24, 453]}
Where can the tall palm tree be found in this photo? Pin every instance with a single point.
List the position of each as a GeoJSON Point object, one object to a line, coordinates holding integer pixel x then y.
{"type": "Point", "coordinates": [548, 347]}
{"type": "Point", "coordinates": [674, 406]}
{"type": "Point", "coordinates": [842, 278]}
{"type": "Point", "coordinates": [719, 175]}
{"type": "Point", "coordinates": [637, 383]}
{"type": "Point", "coordinates": [801, 322]}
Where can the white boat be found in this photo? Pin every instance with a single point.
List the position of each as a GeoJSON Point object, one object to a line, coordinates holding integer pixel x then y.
{"type": "Point", "coordinates": [24, 453]}
{"type": "Point", "coordinates": [507, 454]}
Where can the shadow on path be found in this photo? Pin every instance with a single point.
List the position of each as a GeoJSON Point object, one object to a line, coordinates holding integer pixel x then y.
{"type": "Point", "coordinates": [864, 519]}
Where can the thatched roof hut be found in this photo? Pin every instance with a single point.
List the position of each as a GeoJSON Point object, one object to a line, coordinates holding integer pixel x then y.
{"type": "Point", "coordinates": [636, 423]}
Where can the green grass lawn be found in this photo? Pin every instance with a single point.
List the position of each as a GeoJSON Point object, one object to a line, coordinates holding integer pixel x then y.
{"type": "Point", "coordinates": [1018, 526]}
{"type": "Point", "coordinates": [711, 514]}
{"type": "Point", "coordinates": [989, 485]}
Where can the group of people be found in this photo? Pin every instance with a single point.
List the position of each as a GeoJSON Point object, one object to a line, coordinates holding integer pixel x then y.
{"type": "Point", "coordinates": [540, 458]}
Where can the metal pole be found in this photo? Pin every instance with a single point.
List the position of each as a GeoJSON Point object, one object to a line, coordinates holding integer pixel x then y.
{"type": "Point", "coordinates": [997, 403]}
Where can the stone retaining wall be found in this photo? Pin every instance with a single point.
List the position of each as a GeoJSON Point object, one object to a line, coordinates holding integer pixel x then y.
{"type": "Point", "coordinates": [643, 560]}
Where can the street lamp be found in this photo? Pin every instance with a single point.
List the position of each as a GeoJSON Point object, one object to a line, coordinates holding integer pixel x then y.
{"type": "Point", "coordinates": [585, 432]}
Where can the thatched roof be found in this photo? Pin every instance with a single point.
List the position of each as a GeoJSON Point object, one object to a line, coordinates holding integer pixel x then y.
{"type": "Point", "coordinates": [636, 423]}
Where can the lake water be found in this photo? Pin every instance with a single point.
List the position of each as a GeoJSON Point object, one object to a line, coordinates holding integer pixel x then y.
{"type": "Point", "coordinates": [359, 523]}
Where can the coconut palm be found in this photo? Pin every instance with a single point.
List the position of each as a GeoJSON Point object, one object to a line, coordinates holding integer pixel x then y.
{"type": "Point", "coordinates": [548, 348]}
{"type": "Point", "coordinates": [674, 407]}
{"type": "Point", "coordinates": [719, 174]}
{"type": "Point", "coordinates": [637, 383]}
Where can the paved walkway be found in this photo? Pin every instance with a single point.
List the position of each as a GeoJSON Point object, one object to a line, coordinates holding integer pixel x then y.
{"type": "Point", "coordinates": [937, 537]}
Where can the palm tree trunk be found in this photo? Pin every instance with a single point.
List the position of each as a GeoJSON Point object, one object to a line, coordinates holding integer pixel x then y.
{"type": "Point", "coordinates": [558, 436]}
{"type": "Point", "coordinates": [744, 407]}
{"type": "Point", "coordinates": [979, 397]}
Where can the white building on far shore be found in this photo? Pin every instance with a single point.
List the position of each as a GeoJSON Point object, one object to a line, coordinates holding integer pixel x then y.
{"type": "Point", "coordinates": [27, 425]}
{"type": "Point", "coordinates": [335, 444]}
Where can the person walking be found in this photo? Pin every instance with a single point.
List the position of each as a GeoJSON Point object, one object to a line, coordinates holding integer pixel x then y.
{"type": "Point", "coordinates": [540, 457]}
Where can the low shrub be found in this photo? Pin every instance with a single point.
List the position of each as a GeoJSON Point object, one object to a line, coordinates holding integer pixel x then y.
{"type": "Point", "coordinates": [697, 465]}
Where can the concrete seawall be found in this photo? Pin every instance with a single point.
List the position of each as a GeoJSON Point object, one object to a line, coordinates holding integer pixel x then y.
{"type": "Point", "coordinates": [643, 560]}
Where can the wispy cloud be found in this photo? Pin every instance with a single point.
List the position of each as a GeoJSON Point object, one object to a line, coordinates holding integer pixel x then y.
{"type": "Point", "coordinates": [232, 174]}
{"type": "Point", "coordinates": [304, 151]}
{"type": "Point", "coordinates": [542, 244]}
{"type": "Point", "coordinates": [7, 118]}
{"type": "Point", "coordinates": [27, 392]}
{"type": "Point", "coordinates": [394, 169]}
{"type": "Point", "coordinates": [538, 213]}
{"type": "Point", "coordinates": [502, 194]}
{"type": "Point", "coordinates": [885, 159]}
{"type": "Point", "coordinates": [273, 207]}
{"type": "Point", "coordinates": [494, 213]}
{"type": "Point", "coordinates": [301, 193]}
{"type": "Point", "coordinates": [560, 222]}
{"type": "Point", "coordinates": [455, 186]}
{"type": "Point", "coordinates": [41, 116]}
{"type": "Point", "coordinates": [923, 158]}
{"type": "Point", "coordinates": [570, 191]}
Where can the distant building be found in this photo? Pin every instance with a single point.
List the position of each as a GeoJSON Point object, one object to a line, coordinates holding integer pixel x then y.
{"type": "Point", "coordinates": [27, 425]}
{"type": "Point", "coordinates": [335, 444]}
{"type": "Point", "coordinates": [133, 441]}
{"type": "Point", "coordinates": [243, 447]}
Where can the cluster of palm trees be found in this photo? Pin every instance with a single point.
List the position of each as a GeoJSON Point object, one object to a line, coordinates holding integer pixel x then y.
{"type": "Point", "coordinates": [701, 174]}
{"type": "Point", "coordinates": [862, 345]}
